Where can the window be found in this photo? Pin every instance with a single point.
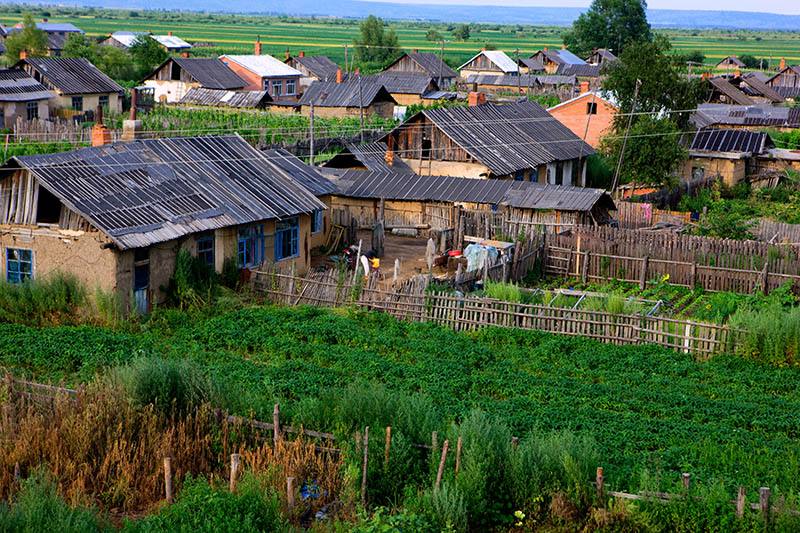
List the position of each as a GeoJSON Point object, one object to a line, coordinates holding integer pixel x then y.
{"type": "Point", "coordinates": [317, 221]}
{"type": "Point", "coordinates": [19, 265]}
{"type": "Point", "coordinates": [591, 108]}
{"type": "Point", "coordinates": [251, 246]}
{"type": "Point", "coordinates": [286, 238]}
{"type": "Point", "coordinates": [103, 101]}
{"type": "Point", "coordinates": [291, 88]}
{"type": "Point", "coordinates": [277, 88]}
{"type": "Point", "coordinates": [205, 249]}
{"type": "Point", "coordinates": [77, 103]}
{"type": "Point", "coordinates": [32, 110]}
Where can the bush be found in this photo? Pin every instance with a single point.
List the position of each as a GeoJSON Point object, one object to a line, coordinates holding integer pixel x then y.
{"type": "Point", "coordinates": [54, 299]}
{"type": "Point", "coordinates": [770, 334]}
{"type": "Point", "coordinates": [193, 284]}
{"type": "Point", "coordinates": [166, 384]}
{"type": "Point", "coordinates": [507, 292]}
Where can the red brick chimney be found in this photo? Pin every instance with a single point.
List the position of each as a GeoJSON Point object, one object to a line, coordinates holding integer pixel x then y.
{"type": "Point", "coordinates": [169, 33]}
{"type": "Point", "coordinates": [416, 50]}
{"type": "Point", "coordinates": [357, 72]}
{"type": "Point", "coordinates": [301, 54]}
{"type": "Point", "coordinates": [101, 135]}
{"type": "Point", "coordinates": [390, 151]}
{"type": "Point", "coordinates": [584, 87]}
{"type": "Point", "coordinates": [23, 55]}
{"type": "Point", "coordinates": [475, 99]}
{"type": "Point", "coordinates": [737, 73]}
{"type": "Point", "coordinates": [782, 64]}
{"type": "Point", "coordinates": [257, 47]}
{"type": "Point", "coordinates": [338, 75]}
{"type": "Point", "coordinates": [185, 54]}
{"type": "Point", "coordinates": [287, 55]}
{"type": "Point", "coordinates": [706, 75]}
{"type": "Point", "coordinates": [544, 49]}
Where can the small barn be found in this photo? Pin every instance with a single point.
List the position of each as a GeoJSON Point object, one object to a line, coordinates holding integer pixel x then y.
{"type": "Point", "coordinates": [727, 154]}
{"type": "Point", "coordinates": [601, 57]}
{"type": "Point", "coordinates": [368, 156]}
{"type": "Point", "coordinates": [22, 97]}
{"type": "Point", "coordinates": [57, 34]}
{"type": "Point", "coordinates": [505, 85]}
{"type": "Point", "coordinates": [491, 62]}
{"type": "Point", "coordinates": [408, 89]}
{"type": "Point", "coordinates": [787, 81]}
{"type": "Point", "coordinates": [553, 60]}
{"type": "Point", "coordinates": [126, 39]}
{"type": "Point", "coordinates": [425, 64]}
{"type": "Point", "coordinates": [176, 76]}
{"type": "Point", "coordinates": [349, 98]}
{"type": "Point", "coordinates": [230, 99]}
{"type": "Point", "coordinates": [730, 63]}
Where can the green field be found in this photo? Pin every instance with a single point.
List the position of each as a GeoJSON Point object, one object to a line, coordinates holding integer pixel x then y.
{"type": "Point", "coordinates": [233, 33]}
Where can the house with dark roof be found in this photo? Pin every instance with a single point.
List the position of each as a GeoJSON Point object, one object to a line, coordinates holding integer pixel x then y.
{"type": "Point", "coordinates": [554, 59]}
{"type": "Point", "coordinates": [491, 62]}
{"type": "Point", "coordinates": [367, 156]}
{"type": "Point", "coordinates": [79, 85]}
{"type": "Point", "coordinates": [350, 98]}
{"type": "Point", "coordinates": [126, 39]}
{"type": "Point", "coordinates": [505, 85]}
{"type": "Point", "coordinates": [601, 56]}
{"type": "Point", "coordinates": [529, 65]}
{"type": "Point", "coordinates": [747, 117]}
{"type": "Point", "coordinates": [730, 63]}
{"type": "Point", "coordinates": [724, 92]}
{"type": "Point", "coordinates": [57, 34]}
{"type": "Point", "coordinates": [520, 141]}
{"type": "Point", "coordinates": [176, 76]}
{"type": "Point", "coordinates": [116, 215]}
{"type": "Point", "coordinates": [22, 97]}
{"type": "Point", "coordinates": [726, 154]}
{"type": "Point", "coordinates": [409, 89]}
{"type": "Point", "coordinates": [199, 96]}
{"type": "Point", "coordinates": [787, 81]}
{"type": "Point", "coordinates": [313, 68]}
{"type": "Point", "coordinates": [425, 64]}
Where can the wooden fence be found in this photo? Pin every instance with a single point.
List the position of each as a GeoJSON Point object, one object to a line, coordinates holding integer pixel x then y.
{"type": "Point", "coordinates": [776, 232]}
{"type": "Point", "coordinates": [635, 215]}
{"type": "Point", "coordinates": [604, 253]}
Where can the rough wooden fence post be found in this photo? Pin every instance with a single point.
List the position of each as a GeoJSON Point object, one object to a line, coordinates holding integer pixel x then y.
{"type": "Point", "coordinates": [459, 444]}
{"type": "Point", "coordinates": [440, 472]}
{"type": "Point", "coordinates": [434, 442]}
{"type": "Point", "coordinates": [276, 425]}
{"type": "Point", "coordinates": [364, 467]}
{"type": "Point", "coordinates": [763, 502]}
{"type": "Point", "coordinates": [600, 481]}
{"type": "Point", "coordinates": [235, 460]}
{"type": "Point", "coordinates": [515, 442]}
{"type": "Point", "coordinates": [693, 281]}
{"type": "Point", "coordinates": [585, 267]}
{"type": "Point", "coordinates": [686, 480]}
{"type": "Point", "coordinates": [396, 274]}
{"type": "Point", "coordinates": [290, 492]}
{"type": "Point", "coordinates": [764, 278]}
{"type": "Point", "coordinates": [643, 272]}
{"type": "Point", "coordinates": [168, 478]}
{"type": "Point", "coordinates": [388, 446]}
{"type": "Point", "coordinates": [741, 502]}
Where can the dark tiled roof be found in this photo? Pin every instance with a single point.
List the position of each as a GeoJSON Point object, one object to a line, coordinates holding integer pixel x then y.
{"type": "Point", "coordinates": [732, 60]}
{"type": "Point", "coordinates": [393, 185]}
{"type": "Point", "coordinates": [149, 191]}
{"type": "Point", "coordinates": [211, 73]}
{"type": "Point", "coordinates": [320, 66]}
{"type": "Point", "coordinates": [509, 138]}
{"type": "Point", "coordinates": [434, 66]}
{"type": "Point", "coordinates": [787, 92]}
{"type": "Point", "coordinates": [730, 141]}
{"type": "Point", "coordinates": [738, 115]}
{"type": "Point", "coordinates": [220, 98]}
{"type": "Point", "coordinates": [532, 64]}
{"type": "Point", "coordinates": [757, 87]}
{"type": "Point", "coordinates": [306, 175]}
{"type": "Point", "coordinates": [345, 94]}
{"type": "Point", "coordinates": [370, 155]}
{"type": "Point", "coordinates": [581, 70]}
{"type": "Point", "coordinates": [17, 86]}
{"type": "Point", "coordinates": [404, 83]}
{"type": "Point", "coordinates": [523, 80]}
{"type": "Point", "coordinates": [72, 75]}
{"type": "Point", "coordinates": [728, 89]}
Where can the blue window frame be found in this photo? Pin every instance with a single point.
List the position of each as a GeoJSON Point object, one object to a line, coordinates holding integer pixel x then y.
{"type": "Point", "coordinates": [205, 249]}
{"type": "Point", "coordinates": [19, 265]}
{"type": "Point", "coordinates": [317, 221]}
{"type": "Point", "coordinates": [287, 238]}
{"type": "Point", "coordinates": [251, 246]}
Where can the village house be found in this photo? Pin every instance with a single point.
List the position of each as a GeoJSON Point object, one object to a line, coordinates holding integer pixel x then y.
{"type": "Point", "coordinates": [787, 81]}
{"type": "Point", "coordinates": [79, 86]}
{"type": "Point", "coordinates": [520, 141]}
{"type": "Point", "coordinates": [126, 39]}
{"type": "Point", "coordinates": [726, 154]}
{"type": "Point", "coordinates": [176, 76]}
{"type": "Point", "coordinates": [409, 89]}
{"type": "Point", "coordinates": [601, 57]}
{"type": "Point", "coordinates": [57, 34]}
{"type": "Point", "coordinates": [425, 64]}
{"type": "Point", "coordinates": [730, 63]}
{"type": "Point", "coordinates": [492, 62]}
{"type": "Point", "coordinates": [313, 68]}
{"type": "Point", "coordinates": [265, 73]}
{"type": "Point", "coordinates": [724, 92]}
{"type": "Point", "coordinates": [748, 117]}
{"type": "Point", "coordinates": [554, 60]}
{"type": "Point", "coordinates": [530, 66]}
{"type": "Point", "coordinates": [199, 96]}
{"type": "Point", "coordinates": [367, 156]}
{"type": "Point", "coordinates": [116, 215]}
{"type": "Point", "coordinates": [350, 98]}
{"type": "Point", "coordinates": [589, 115]}
{"type": "Point", "coordinates": [22, 97]}
{"type": "Point", "coordinates": [505, 85]}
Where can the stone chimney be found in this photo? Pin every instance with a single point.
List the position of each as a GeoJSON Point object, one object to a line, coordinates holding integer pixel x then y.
{"type": "Point", "coordinates": [101, 135]}
{"type": "Point", "coordinates": [338, 75]}
{"type": "Point", "coordinates": [257, 47]}
{"type": "Point", "coordinates": [475, 99]}
{"type": "Point", "coordinates": [782, 64]}
{"type": "Point", "coordinates": [23, 55]}
{"type": "Point", "coordinates": [301, 54]}
{"type": "Point", "coordinates": [584, 87]}
{"type": "Point", "coordinates": [185, 54]}
{"type": "Point", "coordinates": [132, 128]}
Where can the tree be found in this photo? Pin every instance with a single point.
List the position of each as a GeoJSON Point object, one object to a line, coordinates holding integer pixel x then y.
{"type": "Point", "coordinates": [375, 44]}
{"type": "Point", "coordinates": [116, 63]}
{"type": "Point", "coordinates": [29, 38]}
{"type": "Point", "coordinates": [461, 32]}
{"type": "Point", "coordinates": [79, 45]}
{"type": "Point", "coordinates": [433, 35]}
{"type": "Point", "coordinates": [610, 24]}
{"type": "Point", "coordinates": [751, 61]}
{"type": "Point", "coordinates": [695, 57]}
{"type": "Point", "coordinates": [147, 54]}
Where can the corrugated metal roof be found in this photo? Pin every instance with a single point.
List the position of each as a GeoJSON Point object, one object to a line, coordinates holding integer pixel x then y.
{"type": "Point", "coordinates": [729, 90]}
{"type": "Point", "coordinates": [532, 64]}
{"type": "Point", "coordinates": [210, 72]}
{"type": "Point", "coordinates": [171, 42]}
{"type": "Point", "coordinates": [509, 138]}
{"type": "Point", "coordinates": [220, 98]}
{"type": "Point", "coordinates": [264, 66]}
{"type": "Point", "coordinates": [583, 70]}
{"type": "Point", "coordinates": [17, 86]}
{"type": "Point", "coordinates": [722, 140]}
{"type": "Point", "coordinates": [148, 191]}
{"type": "Point", "coordinates": [306, 175]}
{"type": "Point", "coordinates": [370, 155]}
{"type": "Point", "coordinates": [345, 94]}
{"type": "Point", "coordinates": [760, 88]}
{"type": "Point", "coordinates": [72, 75]}
{"type": "Point", "coordinates": [738, 115]}
{"type": "Point", "coordinates": [393, 185]}
{"type": "Point", "coordinates": [498, 58]}
{"type": "Point", "coordinates": [432, 64]}
{"type": "Point", "coordinates": [320, 66]}
{"type": "Point", "coordinates": [732, 60]}
{"type": "Point", "coordinates": [404, 82]}
{"type": "Point", "coordinates": [568, 58]}
{"type": "Point", "coordinates": [523, 80]}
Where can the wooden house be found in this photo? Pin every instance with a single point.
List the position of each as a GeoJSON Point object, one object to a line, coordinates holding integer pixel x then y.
{"type": "Point", "coordinates": [57, 34]}
{"type": "Point", "coordinates": [553, 60]}
{"type": "Point", "coordinates": [350, 98]}
{"type": "Point", "coordinates": [313, 68]}
{"type": "Point", "coordinates": [727, 154]}
{"type": "Point", "coordinates": [520, 141]}
{"type": "Point", "coordinates": [730, 63]}
{"type": "Point", "coordinates": [367, 156]}
{"type": "Point", "coordinates": [176, 76]}
{"type": "Point", "coordinates": [589, 115]}
{"type": "Point", "coordinates": [491, 62]}
{"type": "Point", "coordinates": [601, 57]}
{"type": "Point", "coordinates": [265, 73]}
{"type": "Point", "coordinates": [22, 97]}
{"type": "Point", "coordinates": [787, 81]}
{"type": "Point", "coordinates": [116, 215]}
{"type": "Point", "coordinates": [425, 64]}
{"type": "Point", "coordinates": [79, 86]}
{"type": "Point", "coordinates": [408, 89]}
{"type": "Point", "coordinates": [724, 92]}
{"type": "Point", "coordinates": [504, 85]}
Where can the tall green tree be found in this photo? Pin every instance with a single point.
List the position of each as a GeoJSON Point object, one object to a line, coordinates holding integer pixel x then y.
{"type": "Point", "coordinates": [462, 32]}
{"type": "Point", "coordinates": [375, 43]}
{"type": "Point", "coordinates": [79, 45]}
{"type": "Point", "coordinates": [610, 24]}
{"type": "Point", "coordinates": [29, 38]}
{"type": "Point", "coordinates": [147, 54]}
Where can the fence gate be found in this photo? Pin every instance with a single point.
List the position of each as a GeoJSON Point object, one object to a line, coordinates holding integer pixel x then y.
{"type": "Point", "coordinates": [557, 260]}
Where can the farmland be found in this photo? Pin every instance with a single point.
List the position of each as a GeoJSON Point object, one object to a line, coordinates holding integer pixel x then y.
{"type": "Point", "coordinates": [236, 33]}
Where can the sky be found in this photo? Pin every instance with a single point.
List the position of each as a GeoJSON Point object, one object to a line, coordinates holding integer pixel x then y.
{"type": "Point", "coordinates": [787, 7]}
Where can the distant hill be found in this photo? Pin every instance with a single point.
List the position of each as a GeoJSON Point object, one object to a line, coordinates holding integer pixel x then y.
{"type": "Point", "coordinates": [547, 16]}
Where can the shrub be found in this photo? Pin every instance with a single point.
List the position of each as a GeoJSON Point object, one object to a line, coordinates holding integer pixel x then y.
{"type": "Point", "coordinates": [507, 292]}
{"type": "Point", "coordinates": [771, 334]}
{"type": "Point", "coordinates": [57, 298]}
{"type": "Point", "coordinates": [166, 384]}
{"type": "Point", "coordinates": [445, 508]}
{"type": "Point", "coordinates": [193, 284]}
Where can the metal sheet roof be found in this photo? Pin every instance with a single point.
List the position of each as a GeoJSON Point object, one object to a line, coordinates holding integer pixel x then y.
{"type": "Point", "coordinates": [72, 75]}
{"type": "Point", "coordinates": [523, 80]}
{"type": "Point", "coordinates": [264, 66]}
{"type": "Point", "coordinates": [722, 140]}
{"type": "Point", "coordinates": [432, 64]}
{"type": "Point", "coordinates": [320, 66]}
{"type": "Point", "coordinates": [498, 57]}
{"type": "Point", "coordinates": [404, 82]}
{"type": "Point", "coordinates": [211, 73]}
{"type": "Point", "coordinates": [729, 90]}
{"type": "Point", "coordinates": [583, 70]}
{"type": "Point", "coordinates": [221, 98]}
{"type": "Point", "coordinates": [148, 191]}
{"type": "Point", "coordinates": [370, 155]}
{"type": "Point", "coordinates": [393, 185]}
{"type": "Point", "coordinates": [17, 86]}
{"type": "Point", "coordinates": [759, 88]}
{"type": "Point", "coordinates": [171, 42]}
{"type": "Point", "coordinates": [511, 137]}
{"type": "Point", "coordinates": [306, 175]}
{"type": "Point", "coordinates": [349, 93]}
{"type": "Point", "coordinates": [739, 115]}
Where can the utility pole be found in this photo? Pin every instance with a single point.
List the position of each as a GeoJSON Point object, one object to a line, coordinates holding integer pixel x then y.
{"type": "Point", "coordinates": [361, 108]}
{"type": "Point", "coordinates": [311, 133]}
{"type": "Point", "coordinates": [625, 139]}
{"type": "Point", "coordinates": [346, 67]}
{"type": "Point", "coordinates": [519, 73]}
{"type": "Point", "coordinates": [441, 63]}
